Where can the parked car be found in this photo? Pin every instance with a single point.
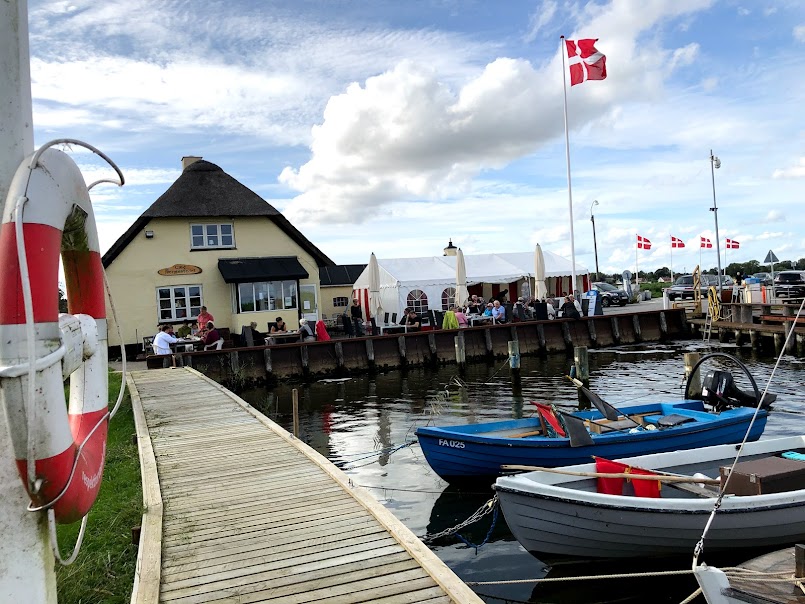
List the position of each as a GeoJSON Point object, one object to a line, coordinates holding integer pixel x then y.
{"type": "Point", "coordinates": [610, 294]}
{"type": "Point", "coordinates": [682, 289]}
{"type": "Point", "coordinates": [764, 278]}
{"type": "Point", "coordinates": [789, 284]}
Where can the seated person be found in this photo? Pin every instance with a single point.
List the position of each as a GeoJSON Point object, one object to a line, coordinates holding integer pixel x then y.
{"type": "Point", "coordinates": [257, 336]}
{"type": "Point", "coordinates": [411, 319]}
{"type": "Point", "coordinates": [521, 311]}
{"type": "Point", "coordinates": [550, 309]}
{"type": "Point", "coordinates": [185, 330]}
{"type": "Point", "coordinates": [278, 327]}
{"type": "Point", "coordinates": [569, 310]}
{"type": "Point", "coordinates": [498, 312]}
{"type": "Point", "coordinates": [475, 306]}
{"type": "Point", "coordinates": [306, 332]}
{"type": "Point", "coordinates": [163, 340]}
{"type": "Point", "coordinates": [211, 336]}
{"type": "Point", "coordinates": [461, 318]}
{"type": "Point", "coordinates": [487, 313]}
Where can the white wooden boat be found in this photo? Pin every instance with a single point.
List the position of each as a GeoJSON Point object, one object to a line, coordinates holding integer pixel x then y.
{"type": "Point", "coordinates": [557, 513]}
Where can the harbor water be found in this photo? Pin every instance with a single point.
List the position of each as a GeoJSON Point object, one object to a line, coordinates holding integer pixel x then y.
{"type": "Point", "coordinates": [366, 426]}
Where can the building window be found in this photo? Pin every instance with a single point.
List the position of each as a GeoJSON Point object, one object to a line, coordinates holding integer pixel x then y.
{"type": "Point", "coordinates": [212, 236]}
{"type": "Point", "coordinates": [340, 301]}
{"type": "Point", "coordinates": [418, 301]}
{"type": "Point", "coordinates": [179, 302]}
{"type": "Point", "coordinates": [448, 298]}
{"type": "Point", "coordinates": [267, 295]}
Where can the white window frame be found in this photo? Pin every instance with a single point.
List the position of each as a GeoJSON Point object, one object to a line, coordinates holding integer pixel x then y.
{"type": "Point", "coordinates": [206, 236]}
{"type": "Point", "coordinates": [270, 306]}
{"type": "Point", "coordinates": [340, 301]}
{"type": "Point", "coordinates": [448, 298]}
{"type": "Point", "coordinates": [173, 308]}
{"type": "Point", "coordinates": [418, 300]}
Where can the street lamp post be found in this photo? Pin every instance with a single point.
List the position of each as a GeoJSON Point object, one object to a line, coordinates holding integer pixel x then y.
{"type": "Point", "coordinates": [715, 163]}
{"type": "Point", "coordinates": [595, 243]}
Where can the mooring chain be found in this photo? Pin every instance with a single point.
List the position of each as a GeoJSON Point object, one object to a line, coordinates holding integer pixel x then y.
{"type": "Point", "coordinates": [487, 508]}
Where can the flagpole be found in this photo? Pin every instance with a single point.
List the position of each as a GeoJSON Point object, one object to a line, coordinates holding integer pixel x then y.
{"type": "Point", "coordinates": [563, 51]}
{"type": "Point", "coordinates": [672, 262]}
{"type": "Point", "coordinates": [636, 267]}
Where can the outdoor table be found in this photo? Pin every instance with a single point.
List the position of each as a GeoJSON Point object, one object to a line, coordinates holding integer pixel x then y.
{"type": "Point", "coordinates": [392, 327]}
{"type": "Point", "coordinates": [190, 343]}
{"type": "Point", "coordinates": [479, 319]}
{"type": "Point", "coordinates": [283, 337]}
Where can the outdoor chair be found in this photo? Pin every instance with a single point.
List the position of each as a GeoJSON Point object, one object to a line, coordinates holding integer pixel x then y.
{"type": "Point", "coordinates": [215, 345]}
{"type": "Point", "coordinates": [147, 343]}
{"type": "Point", "coordinates": [246, 336]}
{"type": "Point", "coordinates": [386, 319]}
{"type": "Point", "coordinates": [394, 317]}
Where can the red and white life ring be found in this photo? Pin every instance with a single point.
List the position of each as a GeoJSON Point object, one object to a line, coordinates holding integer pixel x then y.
{"type": "Point", "coordinates": [58, 221]}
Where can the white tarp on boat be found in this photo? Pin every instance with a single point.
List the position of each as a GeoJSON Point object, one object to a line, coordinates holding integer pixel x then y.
{"type": "Point", "coordinates": [433, 274]}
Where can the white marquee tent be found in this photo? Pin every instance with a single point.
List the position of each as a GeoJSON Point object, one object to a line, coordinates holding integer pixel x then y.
{"type": "Point", "coordinates": [432, 275]}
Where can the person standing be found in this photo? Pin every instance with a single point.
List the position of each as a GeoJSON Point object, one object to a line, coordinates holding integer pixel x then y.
{"type": "Point", "coordinates": [203, 318]}
{"type": "Point", "coordinates": [356, 313]}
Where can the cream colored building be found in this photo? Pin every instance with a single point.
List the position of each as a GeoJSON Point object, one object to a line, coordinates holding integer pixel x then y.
{"type": "Point", "coordinates": [336, 288]}
{"type": "Point", "coordinates": [210, 241]}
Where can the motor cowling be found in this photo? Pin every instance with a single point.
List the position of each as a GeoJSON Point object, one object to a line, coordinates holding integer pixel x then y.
{"type": "Point", "coordinates": [720, 391]}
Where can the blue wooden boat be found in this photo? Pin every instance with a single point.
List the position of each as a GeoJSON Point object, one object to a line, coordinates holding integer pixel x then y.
{"type": "Point", "coordinates": [471, 451]}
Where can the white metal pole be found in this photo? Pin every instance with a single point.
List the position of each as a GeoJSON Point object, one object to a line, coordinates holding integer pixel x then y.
{"type": "Point", "coordinates": [715, 162]}
{"type": "Point", "coordinates": [563, 51]}
{"type": "Point", "coordinates": [672, 262]}
{"type": "Point", "coordinates": [26, 561]}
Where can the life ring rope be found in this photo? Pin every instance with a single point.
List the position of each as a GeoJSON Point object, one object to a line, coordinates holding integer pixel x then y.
{"type": "Point", "coordinates": [35, 365]}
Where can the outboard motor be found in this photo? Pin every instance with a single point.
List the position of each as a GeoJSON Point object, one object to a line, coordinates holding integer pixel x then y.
{"type": "Point", "coordinates": [720, 391]}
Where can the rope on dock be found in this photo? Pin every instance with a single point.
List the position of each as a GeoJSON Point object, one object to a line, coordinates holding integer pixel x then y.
{"type": "Point", "coordinates": [389, 450]}
{"type": "Point", "coordinates": [490, 507]}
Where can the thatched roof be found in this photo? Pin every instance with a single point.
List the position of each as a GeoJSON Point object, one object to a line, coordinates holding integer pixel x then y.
{"type": "Point", "coordinates": [203, 191]}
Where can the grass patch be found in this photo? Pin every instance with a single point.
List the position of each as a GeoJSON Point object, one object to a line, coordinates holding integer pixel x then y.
{"type": "Point", "coordinates": [104, 569]}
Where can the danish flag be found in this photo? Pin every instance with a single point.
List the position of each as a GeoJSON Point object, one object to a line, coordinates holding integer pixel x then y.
{"type": "Point", "coordinates": [676, 242]}
{"type": "Point", "coordinates": [643, 243]}
{"type": "Point", "coordinates": [705, 242]}
{"type": "Point", "coordinates": [732, 244]}
{"type": "Point", "coordinates": [585, 62]}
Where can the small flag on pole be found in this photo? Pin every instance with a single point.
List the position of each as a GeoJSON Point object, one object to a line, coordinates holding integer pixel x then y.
{"type": "Point", "coordinates": [676, 242]}
{"type": "Point", "coordinates": [643, 243]}
{"type": "Point", "coordinates": [705, 243]}
{"type": "Point", "coordinates": [732, 244]}
{"type": "Point", "coordinates": [585, 62]}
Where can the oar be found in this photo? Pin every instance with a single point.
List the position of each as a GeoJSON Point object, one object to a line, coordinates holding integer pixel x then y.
{"type": "Point", "coordinates": [608, 411]}
{"type": "Point", "coordinates": [660, 476]}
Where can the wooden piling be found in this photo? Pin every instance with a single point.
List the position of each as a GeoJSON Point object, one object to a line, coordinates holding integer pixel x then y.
{"type": "Point", "coordinates": [461, 356]}
{"type": "Point", "coordinates": [488, 341]}
{"type": "Point", "coordinates": [582, 365]}
{"type": "Point", "coordinates": [514, 360]}
{"type": "Point", "coordinates": [541, 337]}
{"type": "Point", "coordinates": [616, 330]}
{"type": "Point", "coordinates": [663, 325]}
{"type": "Point", "coordinates": [691, 358]}
{"type": "Point", "coordinates": [754, 339]}
{"type": "Point", "coordinates": [339, 355]}
{"type": "Point", "coordinates": [638, 333]}
{"type": "Point", "coordinates": [568, 339]}
{"type": "Point", "coordinates": [591, 331]}
{"type": "Point", "coordinates": [295, 401]}
{"type": "Point", "coordinates": [401, 347]}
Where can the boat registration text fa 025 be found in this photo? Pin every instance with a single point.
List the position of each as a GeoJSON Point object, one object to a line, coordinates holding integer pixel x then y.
{"type": "Point", "coordinates": [455, 444]}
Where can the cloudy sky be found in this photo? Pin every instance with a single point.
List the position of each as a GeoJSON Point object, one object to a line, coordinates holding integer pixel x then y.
{"type": "Point", "coordinates": [389, 127]}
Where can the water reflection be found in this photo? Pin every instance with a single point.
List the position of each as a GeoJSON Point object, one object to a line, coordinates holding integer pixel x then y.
{"type": "Point", "coordinates": [364, 423]}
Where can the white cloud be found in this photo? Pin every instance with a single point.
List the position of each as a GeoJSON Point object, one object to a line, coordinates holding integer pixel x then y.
{"type": "Point", "coordinates": [796, 171]}
{"type": "Point", "coordinates": [685, 55]}
{"type": "Point", "coordinates": [774, 216]}
{"type": "Point", "coordinates": [799, 33]}
{"type": "Point", "coordinates": [540, 18]}
{"type": "Point", "coordinates": [743, 12]}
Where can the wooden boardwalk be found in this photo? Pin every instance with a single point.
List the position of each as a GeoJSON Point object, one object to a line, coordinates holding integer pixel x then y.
{"type": "Point", "coordinates": [238, 510]}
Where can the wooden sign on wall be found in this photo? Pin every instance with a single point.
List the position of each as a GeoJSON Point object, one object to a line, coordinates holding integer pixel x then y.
{"type": "Point", "coordinates": [179, 269]}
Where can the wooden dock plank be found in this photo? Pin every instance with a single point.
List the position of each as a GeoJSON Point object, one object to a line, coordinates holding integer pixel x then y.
{"type": "Point", "coordinates": [248, 513]}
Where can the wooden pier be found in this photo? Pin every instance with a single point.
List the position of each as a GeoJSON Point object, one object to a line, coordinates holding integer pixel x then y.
{"type": "Point", "coordinates": [238, 510]}
{"type": "Point", "coordinates": [239, 367]}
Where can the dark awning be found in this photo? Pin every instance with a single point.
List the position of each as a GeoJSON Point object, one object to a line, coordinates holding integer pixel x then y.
{"type": "Point", "coordinates": [272, 268]}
